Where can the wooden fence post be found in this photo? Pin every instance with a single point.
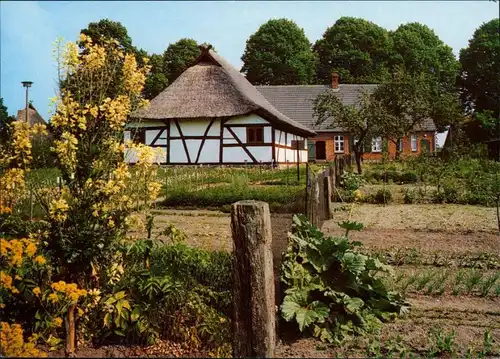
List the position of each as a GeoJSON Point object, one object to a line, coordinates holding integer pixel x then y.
{"type": "Point", "coordinates": [328, 197]}
{"type": "Point", "coordinates": [313, 200]}
{"type": "Point", "coordinates": [254, 331]}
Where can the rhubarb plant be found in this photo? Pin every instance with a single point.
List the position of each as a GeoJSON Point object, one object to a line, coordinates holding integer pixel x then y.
{"type": "Point", "coordinates": [331, 289]}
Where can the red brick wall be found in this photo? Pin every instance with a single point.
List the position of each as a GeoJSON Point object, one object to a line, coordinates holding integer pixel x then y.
{"type": "Point", "coordinates": [328, 138]}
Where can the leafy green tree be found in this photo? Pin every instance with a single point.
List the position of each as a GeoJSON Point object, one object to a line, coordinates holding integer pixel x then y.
{"type": "Point", "coordinates": [410, 99]}
{"type": "Point", "coordinates": [157, 80]}
{"type": "Point", "coordinates": [178, 57]}
{"type": "Point", "coordinates": [419, 50]}
{"type": "Point", "coordinates": [363, 121]}
{"type": "Point", "coordinates": [5, 121]}
{"type": "Point", "coordinates": [279, 53]}
{"type": "Point", "coordinates": [357, 49]}
{"type": "Point", "coordinates": [480, 85]}
{"type": "Point", "coordinates": [109, 29]}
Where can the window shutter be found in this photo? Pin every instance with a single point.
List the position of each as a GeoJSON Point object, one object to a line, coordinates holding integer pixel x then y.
{"type": "Point", "coordinates": [311, 150]}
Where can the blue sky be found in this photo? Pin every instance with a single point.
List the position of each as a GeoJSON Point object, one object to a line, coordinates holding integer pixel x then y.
{"type": "Point", "coordinates": [28, 29]}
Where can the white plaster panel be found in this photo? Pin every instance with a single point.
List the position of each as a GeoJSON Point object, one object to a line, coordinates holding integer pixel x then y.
{"type": "Point", "coordinates": [150, 136]}
{"type": "Point", "coordinates": [130, 155]}
{"type": "Point", "coordinates": [263, 153]}
{"type": "Point", "coordinates": [193, 147]}
{"type": "Point", "coordinates": [173, 130]}
{"type": "Point", "coordinates": [251, 118]}
{"type": "Point", "coordinates": [241, 132]}
{"type": "Point", "coordinates": [210, 152]}
{"type": "Point", "coordinates": [126, 135]}
{"type": "Point", "coordinates": [268, 135]}
{"type": "Point", "coordinates": [235, 154]}
{"type": "Point", "coordinates": [161, 140]}
{"type": "Point", "coordinates": [193, 127]}
{"type": "Point", "coordinates": [161, 155]}
{"type": "Point", "coordinates": [177, 152]}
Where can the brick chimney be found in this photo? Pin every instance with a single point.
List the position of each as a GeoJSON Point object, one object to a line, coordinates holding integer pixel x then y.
{"type": "Point", "coordinates": [335, 80]}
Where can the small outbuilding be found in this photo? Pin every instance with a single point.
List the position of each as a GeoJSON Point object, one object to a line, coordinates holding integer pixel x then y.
{"type": "Point", "coordinates": [212, 115]}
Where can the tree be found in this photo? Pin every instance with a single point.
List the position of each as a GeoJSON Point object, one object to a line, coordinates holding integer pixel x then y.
{"type": "Point", "coordinates": [419, 50]}
{"type": "Point", "coordinates": [480, 85]}
{"type": "Point", "coordinates": [156, 81]}
{"type": "Point", "coordinates": [362, 121]}
{"type": "Point", "coordinates": [178, 56]}
{"type": "Point", "coordinates": [5, 121]}
{"type": "Point", "coordinates": [279, 53]}
{"type": "Point", "coordinates": [357, 49]}
{"type": "Point", "coordinates": [410, 99]}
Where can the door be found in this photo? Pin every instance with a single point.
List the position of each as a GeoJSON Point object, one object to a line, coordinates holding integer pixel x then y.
{"type": "Point", "coordinates": [320, 150]}
{"type": "Point", "coordinates": [425, 146]}
{"type": "Point", "coordinates": [311, 153]}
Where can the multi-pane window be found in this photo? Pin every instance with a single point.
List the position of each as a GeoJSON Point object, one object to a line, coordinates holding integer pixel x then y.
{"type": "Point", "coordinates": [339, 144]}
{"type": "Point", "coordinates": [414, 143]}
{"type": "Point", "coordinates": [400, 145]}
{"type": "Point", "coordinates": [255, 134]}
{"type": "Point", "coordinates": [298, 144]}
{"type": "Point", "coordinates": [377, 144]}
{"type": "Point", "coordinates": [138, 135]}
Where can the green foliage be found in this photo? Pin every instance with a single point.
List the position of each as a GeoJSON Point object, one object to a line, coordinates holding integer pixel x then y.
{"type": "Point", "coordinates": [178, 56]}
{"type": "Point", "coordinates": [5, 121]}
{"type": "Point", "coordinates": [479, 66]}
{"type": "Point", "coordinates": [156, 81]}
{"type": "Point", "coordinates": [408, 177]}
{"type": "Point", "coordinates": [279, 53]}
{"type": "Point", "coordinates": [331, 289]}
{"type": "Point", "coordinates": [352, 181]}
{"type": "Point", "coordinates": [357, 49]}
{"type": "Point", "coordinates": [442, 342]}
{"type": "Point", "coordinates": [383, 196]}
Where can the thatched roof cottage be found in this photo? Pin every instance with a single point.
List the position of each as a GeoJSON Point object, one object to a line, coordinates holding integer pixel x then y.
{"type": "Point", "coordinates": [212, 115]}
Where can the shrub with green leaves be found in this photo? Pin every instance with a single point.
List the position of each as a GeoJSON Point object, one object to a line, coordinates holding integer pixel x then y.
{"type": "Point", "coordinates": [331, 289]}
{"type": "Point", "coordinates": [383, 196]}
{"type": "Point", "coordinates": [352, 181]}
{"type": "Point", "coordinates": [409, 196]}
{"type": "Point", "coordinates": [409, 177]}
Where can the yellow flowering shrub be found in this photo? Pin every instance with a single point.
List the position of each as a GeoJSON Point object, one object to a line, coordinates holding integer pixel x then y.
{"type": "Point", "coordinates": [12, 342]}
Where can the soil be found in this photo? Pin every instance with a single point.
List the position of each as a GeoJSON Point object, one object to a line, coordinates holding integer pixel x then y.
{"type": "Point", "coordinates": [447, 228]}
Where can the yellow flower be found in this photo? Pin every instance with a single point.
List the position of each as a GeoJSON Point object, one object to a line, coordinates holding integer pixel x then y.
{"type": "Point", "coordinates": [80, 312]}
{"type": "Point", "coordinates": [6, 280]}
{"type": "Point", "coordinates": [357, 195]}
{"type": "Point", "coordinates": [31, 249]}
{"type": "Point", "coordinates": [37, 291]}
{"type": "Point", "coordinates": [2, 305]}
{"type": "Point", "coordinates": [58, 322]}
{"type": "Point", "coordinates": [53, 298]}
{"type": "Point", "coordinates": [40, 260]}
{"type": "Point", "coordinates": [14, 291]}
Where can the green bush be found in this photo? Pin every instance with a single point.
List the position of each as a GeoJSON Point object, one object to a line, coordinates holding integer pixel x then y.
{"type": "Point", "coordinates": [383, 196]}
{"type": "Point", "coordinates": [409, 177]}
{"type": "Point", "coordinates": [409, 196]}
{"type": "Point", "coordinates": [438, 197]}
{"type": "Point", "coordinates": [450, 194]}
{"type": "Point", "coordinates": [351, 181]}
{"type": "Point", "coordinates": [331, 289]}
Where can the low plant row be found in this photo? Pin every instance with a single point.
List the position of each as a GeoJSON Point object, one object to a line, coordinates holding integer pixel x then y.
{"type": "Point", "coordinates": [439, 281]}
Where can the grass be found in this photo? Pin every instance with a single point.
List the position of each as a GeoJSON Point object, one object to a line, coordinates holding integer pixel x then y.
{"type": "Point", "coordinates": [212, 188]}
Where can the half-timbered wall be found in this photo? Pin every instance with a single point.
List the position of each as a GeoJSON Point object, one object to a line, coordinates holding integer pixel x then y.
{"type": "Point", "coordinates": [218, 141]}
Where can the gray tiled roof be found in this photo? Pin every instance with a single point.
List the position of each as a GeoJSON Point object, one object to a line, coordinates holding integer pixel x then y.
{"type": "Point", "coordinates": [296, 101]}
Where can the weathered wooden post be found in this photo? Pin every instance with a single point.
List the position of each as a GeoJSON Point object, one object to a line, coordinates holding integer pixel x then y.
{"type": "Point", "coordinates": [313, 200]}
{"type": "Point", "coordinates": [327, 187]}
{"type": "Point", "coordinates": [254, 331]}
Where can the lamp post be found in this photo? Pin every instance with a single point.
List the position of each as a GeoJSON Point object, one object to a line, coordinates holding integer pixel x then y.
{"type": "Point", "coordinates": [27, 84]}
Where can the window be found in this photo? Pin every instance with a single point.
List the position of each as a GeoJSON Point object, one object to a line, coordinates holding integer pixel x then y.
{"type": "Point", "coordinates": [414, 143]}
{"type": "Point", "coordinates": [320, 150]}
{"type": "Point", "coordinates": [377, 144]}
{"type": "Point", "coordinates": [138, 135]}
{"type": "Point", "coordinates": [339, 144]}
{"type": "Point", "coordinates": [301, 144]}
{"type": "Point", "coordinates": [255, 134]}
{"type": "Point", "coordinates": [400, 145]}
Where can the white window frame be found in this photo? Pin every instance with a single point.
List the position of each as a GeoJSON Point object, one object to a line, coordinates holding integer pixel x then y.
{"type": "Point", "coordinates": [338, 143]}
{"type": "Point", "coordinates": [400, 145]}
{"type": "Point", "coordinates": [414, 143]}
{"type": "Point", "coordinates": [377, 144]}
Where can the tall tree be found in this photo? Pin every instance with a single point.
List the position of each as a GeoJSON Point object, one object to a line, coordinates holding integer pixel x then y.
{"type": "Point", "coordinates": [419, 50]}
{"type": "Point", "coordinates": [156, 81]}
{"type": "Point", "coordinates": [363, 121]}
{"type": "Point", "coordinates": [178, 57]}
{"type": "Point", "coordinates": [410, 99]}
{"type": "Point", "coordinates": [5, 121]}
{"type": "Point", "coordinates": [357, 49]}
{"type": "Point", "coordinates": [279, 53]}
{"type": "Point", "coordinates": [480, 80]}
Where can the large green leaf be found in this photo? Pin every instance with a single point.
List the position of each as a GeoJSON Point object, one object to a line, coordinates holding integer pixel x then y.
{"type": "Point", "coordinates": [289, 309]}
{"type": "Point", "coordinates": [305, 317]}
{"type": "Point", "coordinates": [354, 305]}
{"type": "Point", "coordinates": [354, 263]}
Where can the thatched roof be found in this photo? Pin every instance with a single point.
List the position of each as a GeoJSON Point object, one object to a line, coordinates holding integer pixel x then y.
{"type": "Point", "coordinates": [33, 116]}
{"type": "Point", "coordinates": [212, 88]}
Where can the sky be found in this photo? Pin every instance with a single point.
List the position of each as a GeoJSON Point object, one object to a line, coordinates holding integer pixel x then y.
{"type": "Point", "coordinates": [29, 28]}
